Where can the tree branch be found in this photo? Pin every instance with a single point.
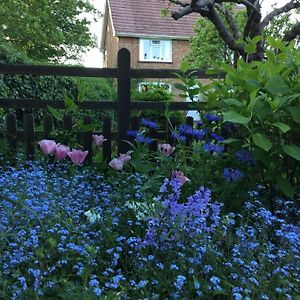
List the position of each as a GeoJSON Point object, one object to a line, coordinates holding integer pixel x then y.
{"type": "Point", "coordinates": [180, 3]}
{"type": "Point", "coordinates": [229, 19]}
{"type": "Point", "coordinates": [292, 33]}
{"type": "Point", "coordinates": [181, 12]}
{"type": "Point", "coordinates": [224, 33]}
{"type": "Point", "coordinates": [253, 14]}
{"type": "Point", "coordinates": [277, 11]}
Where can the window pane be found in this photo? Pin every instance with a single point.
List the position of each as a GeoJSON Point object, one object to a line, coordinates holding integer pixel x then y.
{"type": "Point", "coordinates": [155, 53]}
{"type": "Point", "coordinates": [168, 51]}
{"type": "Point", "coordinates": [145, 54]}
{"type": "Point", "coordinates": [155, 50]}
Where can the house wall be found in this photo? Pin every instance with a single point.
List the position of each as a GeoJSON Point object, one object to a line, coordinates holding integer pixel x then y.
{"type": "Point", "coordinates": [179, 50]}
{"type": "Point", "coordinates": [111, 47]}
{"type": "Point", "coordinates": [113, 44]}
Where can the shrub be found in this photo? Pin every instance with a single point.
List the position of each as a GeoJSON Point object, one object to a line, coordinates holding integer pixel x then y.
{"type": "Point", "coordinates": [159, 94]}
{"type": "Point", "coordinates": [260, 99]}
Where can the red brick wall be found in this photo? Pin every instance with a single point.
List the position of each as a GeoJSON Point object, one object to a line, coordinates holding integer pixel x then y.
{"type": "Point", "coordinates": [179, 49]}
{"type": "Point", "coordinates": [111, 47]}
{"type": "Point", "coordinates": [113, 44]}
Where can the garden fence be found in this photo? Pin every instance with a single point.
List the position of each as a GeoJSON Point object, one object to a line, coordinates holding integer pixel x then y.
{"type": "Point", "coordinates": [123, 106]}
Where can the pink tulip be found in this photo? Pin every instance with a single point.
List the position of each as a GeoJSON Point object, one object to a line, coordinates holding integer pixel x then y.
{"type": "Point", "coordinates": [116, 164]}
{"type": "Point", "coordinates": [98, 139]}
{"type": "Point", "coordinates": [47, 146]}
{"type": "Point", "coordinates": [179, 176]}
{"type": "Point", "coordinates": [166, 149]}
{"type": "Point", "coordinates": [77, 156]}
{"type": "Point", "coordinates": [61, 151]}
{"type": "Point", "coordinates": [124, 158]}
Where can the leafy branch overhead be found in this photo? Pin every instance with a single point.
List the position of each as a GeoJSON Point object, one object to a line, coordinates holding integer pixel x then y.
{"type": "Point", "coordinates": [217, 12]}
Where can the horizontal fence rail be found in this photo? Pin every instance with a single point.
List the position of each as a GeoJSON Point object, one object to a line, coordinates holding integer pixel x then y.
{"type": "Point", "coordinates": [123, 106]}
{"type": "Point", "coordinates": [42, 70]}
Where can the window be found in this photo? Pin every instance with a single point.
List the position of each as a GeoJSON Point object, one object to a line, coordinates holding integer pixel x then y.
{"type": "Point", "coordinates": [155, 50]}
{"type": "Point", "coordinates": [145, 86]}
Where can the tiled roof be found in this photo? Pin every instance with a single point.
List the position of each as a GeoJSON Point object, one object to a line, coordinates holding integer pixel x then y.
{"type": "Point", "coordinates": [144, 18]}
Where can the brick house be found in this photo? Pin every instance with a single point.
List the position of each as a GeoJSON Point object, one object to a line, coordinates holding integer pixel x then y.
{"type": "Point", "coordinates": [155, 41]}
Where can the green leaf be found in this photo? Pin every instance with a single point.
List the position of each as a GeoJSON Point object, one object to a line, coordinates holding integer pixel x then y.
{"type": "Point", "coordinates": [229, 141]}
{"type": "Point", "coordinates": [295, 112]}
{"type": "Point", "coordinates": [293, 151]}
{"type": "Point", "coordinates": [58, 115]}
{"type": "Point", "coordinates": [235, 117]}
{"type": "Point", "coordinates": [282, 126]}
{"type": "Point", "coordinates": [262, 141]}
{"type": "Point", "coordinates": [70, 104]}
{"type": "Point", "coordinates": [180, 86]}
{"type": "Point", "coordinates": [277, 85]}
{"type": "Point", "coordinates": [232, 101]}
{"type": "Point", "coordinates": [285, 186]}
{"type": "Point", "coordinates": [184, 66]}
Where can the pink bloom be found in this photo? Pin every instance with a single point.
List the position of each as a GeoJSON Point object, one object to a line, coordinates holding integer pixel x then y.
{"type": "Point", "coordinates": [47, 146]}
{"type": "Point", "coordinates": [179, 176]}
{"type": "Point", "coordinates": [61, 151]}
{"type": "Point", "coordinates": [98, 139]}
{"type": "Point", "coordinates": [116, 164]}
{"type": "Point", "coordinates": [124, 158]}
{"type": "Point", "coordinates": [78, 156]}
{"type": "Point", "coordinates": [166, 149]}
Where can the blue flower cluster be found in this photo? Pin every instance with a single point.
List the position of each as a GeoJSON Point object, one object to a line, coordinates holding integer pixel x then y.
{"type": "Point", "coordinates": [165, 246]}
{"type": "Point", "coordinates": [233, 175]}
{"type": "Point", "coordinates": [139, 137]}
{"type": "Point", "coordinates": [149, 124]}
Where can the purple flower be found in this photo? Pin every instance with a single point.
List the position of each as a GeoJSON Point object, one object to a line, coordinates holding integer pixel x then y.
{"type": "Point", "coordinates": [216, 137]}
{"type": "Point", "coordinates": [212, 148]}
{"type": "Point", "coordinates": [143, 139]}
{"type": "Point", "coordinates": [233, 174]}
{"type": "Point", "coordinates": [132, 133]}
{"type": "Point", "coordinates": [212, 118]}
{"type": "Point", "coordinates": [245, 156]}
{"type": "Point", "coordinates": [149, 123]}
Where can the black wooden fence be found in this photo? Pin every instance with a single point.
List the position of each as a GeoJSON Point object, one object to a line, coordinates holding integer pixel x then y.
{"type": "Point", "coordinates": [123, 106]}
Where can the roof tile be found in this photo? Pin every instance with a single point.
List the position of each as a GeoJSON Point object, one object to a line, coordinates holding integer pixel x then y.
{"type": "Point", "coordinates": [144, 18]}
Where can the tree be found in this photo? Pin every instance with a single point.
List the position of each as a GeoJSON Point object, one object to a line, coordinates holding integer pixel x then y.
{"type": "Point", "coordinates": [206, 48]}
{"type": "Point", "coordinates": [46, 30]}
{"type": "Point", "coordinates": [233, 36]}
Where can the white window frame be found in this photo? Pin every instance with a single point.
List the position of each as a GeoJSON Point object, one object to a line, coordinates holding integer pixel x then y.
{"type": "Point", "coordinates": [156, 43]}
{"type": "Point", "coordinates": [160, 84]}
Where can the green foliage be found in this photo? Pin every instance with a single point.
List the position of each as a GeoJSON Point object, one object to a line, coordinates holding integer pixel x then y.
{"type": "Point", "coordinates": [207, 49]}
{"type": "Point", "coordinates": [69, 137]}
{"type": "Point", "coordinates": [159, 94]}
{"type": "Point", "coordinates": [262, 100]}
{"type": "Point", "coordinates": [94, 89]}
{"type": "Point", "coordinates": [27, 86]}
{"type": "Point", "coordinates": [46, 30]}
{"type": "Point", "coordinates": [50, 87]}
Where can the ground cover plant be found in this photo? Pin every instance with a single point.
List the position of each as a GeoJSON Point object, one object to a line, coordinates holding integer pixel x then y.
{"type": "Point", "coordinates": [69, 232]}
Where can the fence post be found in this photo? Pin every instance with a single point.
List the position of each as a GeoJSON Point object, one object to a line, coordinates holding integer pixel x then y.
{"type": "Point", "coordinates": [48, 125]}
{"type": "Point", "coordinates": [29, 136]}
{"type": "Point", "coordinates": [124, 84]}
{"type": "Point", "coordinates": [11, 129]}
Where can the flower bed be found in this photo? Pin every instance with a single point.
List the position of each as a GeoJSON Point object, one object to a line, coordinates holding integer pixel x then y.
{"type": "Point", "coordinates": [82, 235]}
